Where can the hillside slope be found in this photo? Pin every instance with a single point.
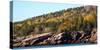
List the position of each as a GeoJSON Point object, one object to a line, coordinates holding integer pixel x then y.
{"type": "Point", "coordinates": [68, 21]}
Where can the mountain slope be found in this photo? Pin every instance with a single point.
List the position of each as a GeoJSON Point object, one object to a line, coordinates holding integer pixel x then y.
{"type": "Point", "coordinates": [82, 18]}
{"type": "Point", "coordinates": [70, 19]}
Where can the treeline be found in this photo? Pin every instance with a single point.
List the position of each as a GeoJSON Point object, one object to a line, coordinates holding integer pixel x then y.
{"type": "Point", "coordinates": [73, 19]}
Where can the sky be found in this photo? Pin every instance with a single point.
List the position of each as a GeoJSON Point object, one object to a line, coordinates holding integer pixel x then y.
{"type": "Point", "coordinates": [26, 9]}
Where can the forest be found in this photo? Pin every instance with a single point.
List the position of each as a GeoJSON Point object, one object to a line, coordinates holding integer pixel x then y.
{"type": "Point", "coordinates": [67, 26]}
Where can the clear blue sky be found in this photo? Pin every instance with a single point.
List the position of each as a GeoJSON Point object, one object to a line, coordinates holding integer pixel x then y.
{"type": "Point", "coordinates": [27, 9]}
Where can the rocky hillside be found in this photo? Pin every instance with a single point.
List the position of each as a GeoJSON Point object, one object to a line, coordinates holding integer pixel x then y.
{"type": "Point", "coordinates": [68, 26]}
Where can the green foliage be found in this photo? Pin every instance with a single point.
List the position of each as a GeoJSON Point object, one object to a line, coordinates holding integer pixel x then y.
{"type": "Point", "coordinates": [72, 19]}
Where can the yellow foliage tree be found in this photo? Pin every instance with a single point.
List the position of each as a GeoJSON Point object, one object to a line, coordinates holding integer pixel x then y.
{"type": "Point", "coordinates": [89, 18]}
